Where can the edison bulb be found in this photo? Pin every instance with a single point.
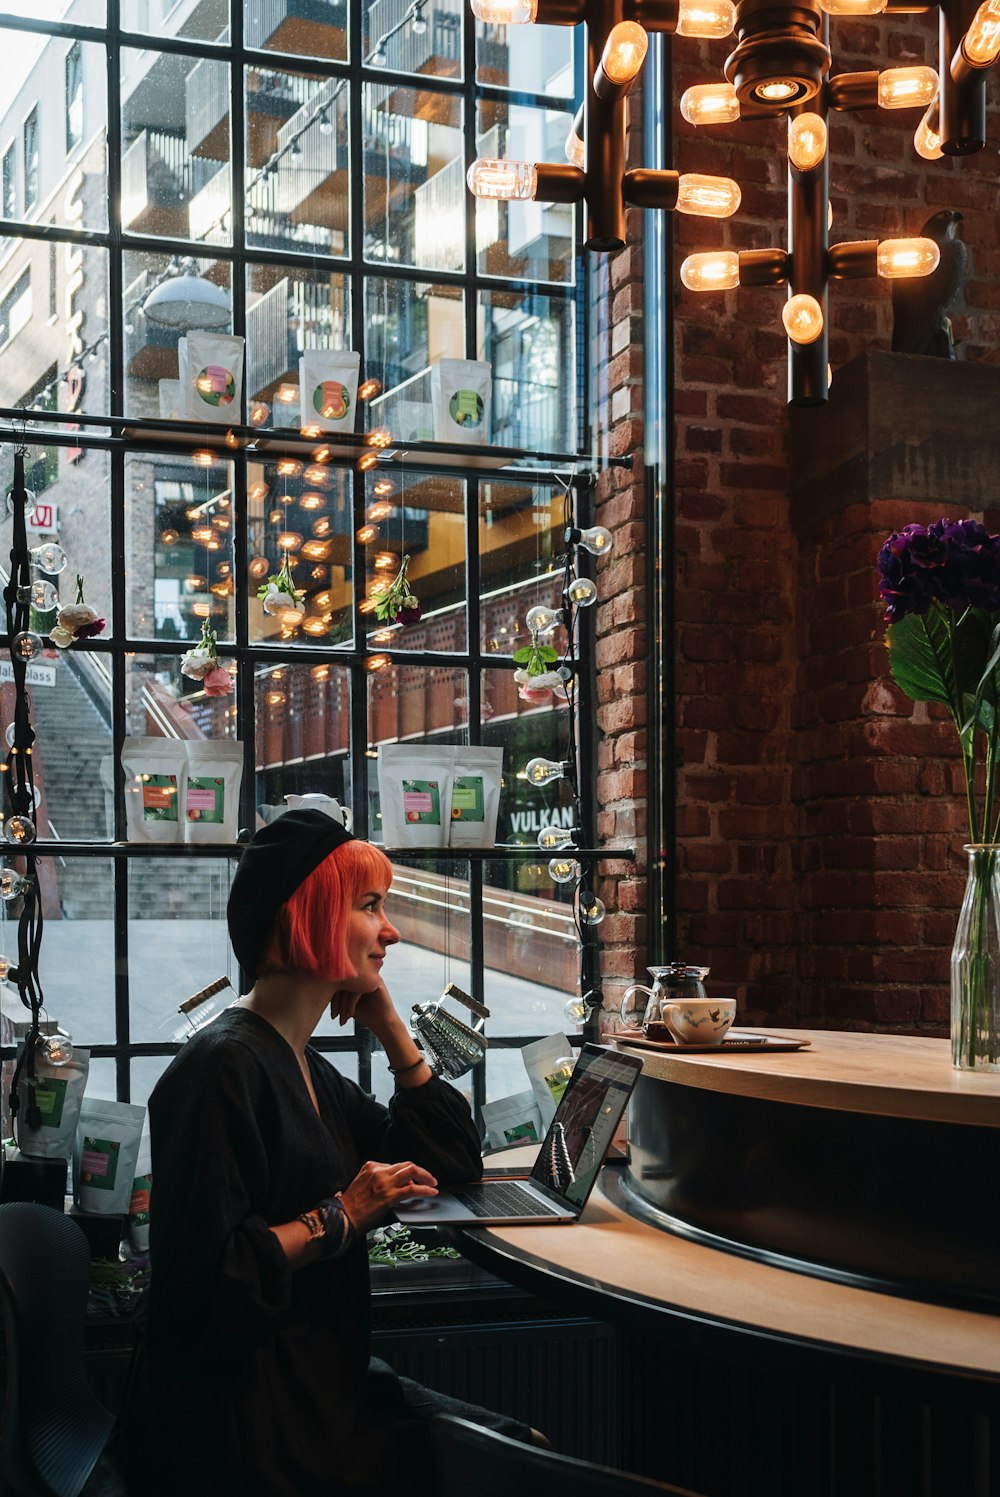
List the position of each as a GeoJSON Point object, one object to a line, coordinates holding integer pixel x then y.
{"type": "Point", "coordinates": [806, 141]}
{"type": "Point", "coordinates": [19, 830]}
{"type": "Point", "coordinates": [592, 909]}
{"type": "Point", "coordinates": [710, 104]}
{"type": "Point", "coordinates": [505, 12]}
{"type": "Point", "coordinates": [29, 502]}
{"type": "Point", "coordinates": [981, 43]}
{"type": "Point", "coordinates": [11, 884]}
{"type": "Point", "coordinates": [575, 1011]}
{"type": "Point", "coordinates": [624, 52]}
{"type": "Point", "coordinates": [707, 18]}
{"type": "Point", "coordinates": [802, 316]}
{"type": "Point", "coordinates": [540, 619]}
{"type": "Point", "coordinates": [544, 771]}
{"type": "Point", "coordinates": [5, 966]}
{"type": "Point", "coordinates": [597, 540]}
{"type": "Point", "coordinates": [926, 138]}
{"type": "Point", "coordinates": [708, 197]}
{"type": "Point", "coordinates": [907, 88]}
{"type": "Point", "coordinates": [563, 870]}
{"type": "Point", "coordinates": [554, 838]}
{"type": "Point", "coordinates": [9, 734]}
{"type": "Point", "coordinates": [57, 1048]}
{"type": "Point", "coordinates": [27, 645]}
{"type": "Point", "coordinates": [715, 270]}
{"type": "Point", "coordinates": [49, 557]}
{"type": "Point", "coordinates": [582, 593]}
{"type": "Point", "coordinates": [43, 596]}
{"type": "Point", "coordinates": [853, 7]}
{"type": "Point", "coordinates": [897, 258]}
{"type": "Point", "coordinates": [576, 151]}
{"type": "Point", "coordinates": [508, 181]}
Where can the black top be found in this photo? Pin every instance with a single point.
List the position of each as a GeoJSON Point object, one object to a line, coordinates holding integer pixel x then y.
{"type": "Point", "coordinates": [254, 1375]}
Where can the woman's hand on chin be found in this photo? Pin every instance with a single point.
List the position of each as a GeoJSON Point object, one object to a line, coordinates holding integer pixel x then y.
{"type": "Point", "coordinates": [374, 1010]}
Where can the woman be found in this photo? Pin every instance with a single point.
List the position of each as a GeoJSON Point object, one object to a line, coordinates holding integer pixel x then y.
{"type": "Point", "coordinates": [269, 1168]}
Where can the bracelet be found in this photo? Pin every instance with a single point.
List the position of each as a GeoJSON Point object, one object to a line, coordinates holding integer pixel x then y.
{"type": "Point", "coordinates": [338, 1229]}
{"type": "Point", "coordinates": [313, 1221]}
{"type": "Point", "coordinates": [402, 1070]}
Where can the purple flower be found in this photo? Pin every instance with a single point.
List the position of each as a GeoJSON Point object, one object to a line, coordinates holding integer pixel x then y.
{"type": "Point", "coordinates": [952, 562]}
{"type": "Point", "coordinates": [408, 615]}
{"type": "Point", "coordinates": [88, 631]}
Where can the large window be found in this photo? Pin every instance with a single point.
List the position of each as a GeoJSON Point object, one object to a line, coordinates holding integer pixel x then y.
{"type": "Point", "coordinates": [303, 177]}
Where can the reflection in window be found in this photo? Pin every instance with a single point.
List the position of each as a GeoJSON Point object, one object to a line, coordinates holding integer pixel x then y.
{"type": "Point", "coordinates": [74, 97]}
{"type": "Point", "coordinates": [10, 182]}
{"type": "Point", "coordinates": [31, 160]}
{"type": "Point", "coordinates": [15, 308]}
{"type": "Point", "coordinates": [415, 192]}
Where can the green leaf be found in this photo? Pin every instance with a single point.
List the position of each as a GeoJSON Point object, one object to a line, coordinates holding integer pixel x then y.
{"type": "Point", "coordinates": [522, 656]}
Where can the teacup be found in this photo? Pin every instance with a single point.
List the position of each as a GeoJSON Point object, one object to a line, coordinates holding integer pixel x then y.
{"type": "Point", "coordinates": [698, 1021]}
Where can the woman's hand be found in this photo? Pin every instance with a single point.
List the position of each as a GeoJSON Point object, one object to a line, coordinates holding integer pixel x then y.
{"type": "Point", "coordinates": [377, 1189]}
{"type": "Point", "coordinates": [374, 1010]}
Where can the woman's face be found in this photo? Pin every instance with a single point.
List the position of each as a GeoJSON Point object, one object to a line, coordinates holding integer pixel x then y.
{"type": "Point", "coordinates": [369, 933]}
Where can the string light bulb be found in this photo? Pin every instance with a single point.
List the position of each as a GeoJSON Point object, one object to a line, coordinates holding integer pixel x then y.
{"type": "Point", "coordinates": [592, 910]}
{"type": "Point", "coordinates": [19, 830]}
{"type": "Point", "coordinates": [807, 137]}
{"type": "Point", "coordinates": [710, 104]}
{"type": "Point", "coordinates": [706, 18]}
{"type": "Point", "coordinates": [802, 317]}
{"type": "Point", "coordinates": [554, 838]}
{"type": "Point", "coordinates": [29, 503]}
{"type": "Point", "coordinates": [598, 540]}
{"type": "Point", "coordinates": [540, 620]}
{"type": "Point", "coordinates": [11, 884]}
{"type": "Point", "coordinates": [26, 646]}
{"type": "Point", "coordinates": [49, 557]}
{"type": "Point", "coordinates": [418, 25]}
{"type": "Point", "coordinates": [713, 270]}
{"type": "Point", "coordinates": [543, 771]}
{"type": "Point", "coordinates": [506, 181]}
{"type": "Point", "coordinates": [582, 593]}
{"type": "Point", "coordinates": [907, 88]}
{"type": "Point", "coordinates": [563, 870]}
{"type": "Point", "coordinates": [897, 258]}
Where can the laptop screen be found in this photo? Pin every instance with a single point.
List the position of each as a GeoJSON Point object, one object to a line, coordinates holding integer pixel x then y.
{"type": "Point", "coordinates": [585, 1122]}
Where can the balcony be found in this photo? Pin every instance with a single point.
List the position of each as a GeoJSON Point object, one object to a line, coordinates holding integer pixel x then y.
{"type": "Point", "coordinates": [436, 51]}
{"type": "Point", "coordinates": [311, 28]}
{"type": "Point", "coordinates": [158, 178]}
{"type": "Point", "coordinates": [439, 229]}
{"type": "Point", "coordinates": [310, 186]}
{"type": "Point", "coordinates": [289, 318]}
{"type": "Point", "coordinates": [272, 98]}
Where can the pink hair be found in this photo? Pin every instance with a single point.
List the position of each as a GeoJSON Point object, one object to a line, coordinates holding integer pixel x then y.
{"type": "Point", "coordinates": [310, 928]}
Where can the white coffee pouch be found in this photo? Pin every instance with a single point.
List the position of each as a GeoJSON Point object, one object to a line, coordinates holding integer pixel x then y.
{"type": "Point", "coordinates": [58, 1093]}
{"type": "Point", "coordinates": [211, 789]}
{"type": "Point", "coordinates": [107, 1149]}
{"type": "Point", "coordinates": [414, 784]}
{"type": "Point", "coordinates": [475, 796]}
{"type": "Point", "coordinates": [460, 394]}
{"type": "Point", "coordinates": [328, 388]}
{"type": "Point", "coordinates": [213, 378]}
{"type": "Point", "coordinates": [138, 1206]}
{"type": "Point", "coordinates": [154, 778]}
{"type": "Point", "coordinates": [549, 1064]}
{"type": "Point", "coordinates": [513, 1120]}
{"type": "Point", "coordinates": [170, 399]}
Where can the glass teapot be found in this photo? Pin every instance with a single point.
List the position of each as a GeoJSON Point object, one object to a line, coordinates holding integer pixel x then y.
{"type": "Point", "coordinates": [675, 980]}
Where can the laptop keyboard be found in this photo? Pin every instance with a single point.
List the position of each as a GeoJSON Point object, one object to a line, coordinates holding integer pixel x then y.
{"type": "Point", "coordinates": [500, 1198]}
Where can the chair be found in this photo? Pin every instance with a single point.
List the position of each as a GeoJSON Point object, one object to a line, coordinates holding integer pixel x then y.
{"type": "Point", "coordinates": [54, 1429]}
{"type": "Point", "coordinates": [469, 1458]}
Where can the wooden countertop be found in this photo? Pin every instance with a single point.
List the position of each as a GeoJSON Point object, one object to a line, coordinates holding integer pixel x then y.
{"type": "Point", "coordinates": [892, 1075]}
{"type": "Point", "coordinates": [621, 1266]}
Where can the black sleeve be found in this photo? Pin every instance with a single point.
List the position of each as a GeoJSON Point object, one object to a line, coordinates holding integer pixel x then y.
{"type": "Point", "coordinates": [430, 1124]}
{"type": "Point", "coordinates": [220, 1278]}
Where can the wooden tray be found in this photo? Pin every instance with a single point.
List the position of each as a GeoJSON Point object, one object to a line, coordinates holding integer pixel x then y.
{"type": "Point", "coordinates": [736, 1041]}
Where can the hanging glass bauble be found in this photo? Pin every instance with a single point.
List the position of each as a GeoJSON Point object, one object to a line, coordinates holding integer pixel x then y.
{"type": "Point", "coordinates": [11, 884]}
{"type": "Point", "coordinates": [49, 557]}
{"type": "Point", "coordinates": [27, 645]}
{"type": "Point", "coordinates": [19, 830]}
{"type": "Point", "coordinates": [57, 1048]}
{"type": "Point", "coordinates": [29, 503]}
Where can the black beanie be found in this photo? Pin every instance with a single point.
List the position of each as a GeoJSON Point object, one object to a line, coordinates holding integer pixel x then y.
{"type": "Point", "coordinates": [277, 860]}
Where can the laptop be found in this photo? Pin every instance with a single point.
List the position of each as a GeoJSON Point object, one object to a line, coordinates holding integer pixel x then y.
{"type": "Point", "coordinates": [571, 1153]}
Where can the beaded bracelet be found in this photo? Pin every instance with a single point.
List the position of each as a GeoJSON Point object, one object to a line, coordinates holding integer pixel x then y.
{"type": "Point", "coordinates": [338, 1229]}
{"type": "Point", "coordinates": [402, 1070]}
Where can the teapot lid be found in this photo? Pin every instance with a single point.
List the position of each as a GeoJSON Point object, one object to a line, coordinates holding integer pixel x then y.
{"type": "Point", "coordinates": [681, 971]}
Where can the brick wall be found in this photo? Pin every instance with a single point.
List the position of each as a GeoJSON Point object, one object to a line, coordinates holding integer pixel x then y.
{"type": "Point", "coordinates": [818, 858]}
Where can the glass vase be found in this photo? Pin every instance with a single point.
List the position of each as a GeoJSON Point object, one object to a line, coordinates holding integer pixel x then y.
{"type": "Point", "coordinates": [975, 966]}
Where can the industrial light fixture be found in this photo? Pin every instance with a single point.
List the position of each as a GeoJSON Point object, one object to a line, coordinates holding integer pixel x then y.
{"type": "Point", "coordinates": [187, 300]}
{"type": "Point", "coordinates": [780, 66]}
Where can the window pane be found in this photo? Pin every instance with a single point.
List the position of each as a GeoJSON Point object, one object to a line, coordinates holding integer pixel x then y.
{"type": "Point", "coordinates": [177, 938]}
{"type": "Point", "coordinates": [76, 962]}
{"type": "Point", "coordinates": [208, 21]}
{"type": "Point", "coordinates": [533, 59]}
{"type": "Point", "coordinates": [408, 326]}
{"type": "Point", "coordinates": [54, 360]}
{"type": "Point", "coordinates": [418, 704]}
{"type": "Point", "coordinates": [303, 734]}
{"type": "Point", "coordinates": [311, 28]}
{"type": "Point", "coordinates": [153, 325]}
{"type": "Point", "coordinates": [161, 702]}
{"type": "Point", "coordinates": [179, 544]}
{"type": "Point", "coordinates": [85, 12]}
{"type": "Point", "coordinates": [298, 156]}
{"type": "Point", "coordinates": [175, 146]}
{"type": "Point", "coordinates": [289, 309]}
{"type": "Point", "coordinates": [425, 37]}
{"type": "Point", "coordinates": [526, 730]}
{"type": "Point", "coordinates": [520, 542]}
{"type": "Point", "coordinates": [531, 240]}
{"type": "Point", "coordinates": [532, 962]}
{"type": "Point", "coordinates": [415, 192]}
{"type": "Point", "coordinates": [530, 341]}
{"type": "Point", "coordinates": [424, 520]}
{"type": "Point", "coordinates": [301, 526]}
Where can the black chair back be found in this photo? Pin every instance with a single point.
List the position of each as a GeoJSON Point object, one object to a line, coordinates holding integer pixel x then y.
{"type": "Point", "coordinates": [54, 1429]}
{"type": "Point", "coordinates": [469, 1459]}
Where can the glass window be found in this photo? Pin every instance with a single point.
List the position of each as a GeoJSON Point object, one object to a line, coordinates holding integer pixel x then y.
{"type": "Point", "coordinates": [74, 97]}
{"type": "Point", "coordinates": [10, 182]}
{"type": "Point", "coordinates": [15, 308]}
{"type": "Point", "coordinates": [415, 192]}
{"type": "Point", "coordinates": [298, 162]}
{"type": "Point", "coordinates": [31, 160]}
{"type": "Point", "coordinates": [316, 29]}
{"type": "Point", "coordinates": [414, 36]}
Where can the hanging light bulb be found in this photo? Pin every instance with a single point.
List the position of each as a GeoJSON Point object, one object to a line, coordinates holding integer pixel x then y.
{"type": "Point", "coordinates": [802, 316]}
{"type": "Point", "coordinates": [624, 53]}
{"type": "Point", "coordinates": [714, 270]}
{"type": "Point", "coordinates": [325, 122]}
{"type": "Point", "coordinates": [540, 620]}
{"type": "Point", "coordinates": [554, 838]}
{"type": "Point", "coordinates": [27, 645]}
{"type": "Point", "coordinates": [295, 154]}
{"type": "Point", "coordinates": [19, 830]}
{"type": "Point", "coordinates": [576, 150]}
{"type": "Point", "coordinates": [49, 557]}
{"type": "Point", "coordinates": [505, 12]}
{"type": "Point", "coordinates": [380, 57]}
{"type": "Point", "coordinates": [563, 870]}
{"type": "Point", "coordinates": [543, 771]}
{"type": "Point", "coordinates": [582, 593]}
{"type": "Point", "coordinates": [575, 1011]}
{"type": "Point", "coordinates": [806, 141]}
{"type": "Point", "coordinates": [508, 181]}
{"type": "Point", "coordinates": [707, 197]}
{"type": "Point", "coordinates": [926, 138]}
{"type": "Point", "coordinates": [57, 1048]}
{"type": "Point", "coordinates": [706, 18]}
{"type": "Point", "coordinates": [11, 884]}
{"type": "Point", "coordinates": [5, 966]}
{"type": "Point", "coordinates": [853, 7]}
{"type": "Point", "coordinates": [907, 257]}
{"type": "Point", "coordinates": [981, 43]}
{"type": "Point", "coordinates": [710, 104]}
{"type": "Point", "coordinates": [907, 88]}
{"type": "Point", "coordinates": [29, 503]}
{"type": "Point", "coordinates": [43, 596]}
{"type": "Point", "coordinates": [592, 910]}
{"type": "Point", "coordinates": [597, 540]}
{"type": "Point", "coordinates": [169, 536]}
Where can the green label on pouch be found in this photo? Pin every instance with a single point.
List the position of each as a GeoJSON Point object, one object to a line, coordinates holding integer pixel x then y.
{"type": "Point", "coordinates": [206, 800]}
{"type": "Point", "coordinates": [557, 1084]}
{"type": "Point", "coordinates": [467, 799]}
{"type": "Point", "coordinates": [99, 1163]}
{"type": "Point", "coordinates": [159, 797]}
{"type": "Point", "coordinates": [331, 400]}
{"type": "Point", "coordinates": [422, 802]}
{"type": "Point", "coordinates": [466, 408]}
{"type": "Point", "coordinates": [521, 1130]}
{"type": "Point", "coordinates": [50, 1095]}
